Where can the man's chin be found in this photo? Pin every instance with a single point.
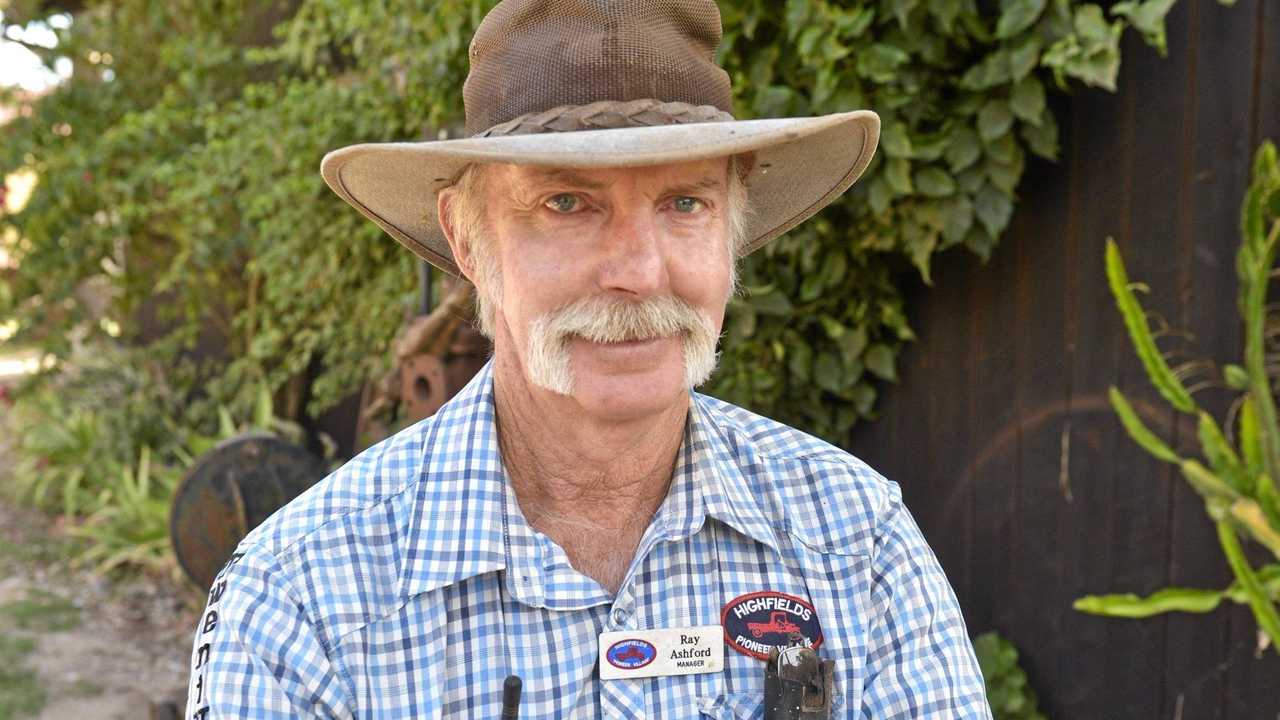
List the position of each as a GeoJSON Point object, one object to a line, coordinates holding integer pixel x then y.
{"type": "Point", "coordinates": [622, 396]}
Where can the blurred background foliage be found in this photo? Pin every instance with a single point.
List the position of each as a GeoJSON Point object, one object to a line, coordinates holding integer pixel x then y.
{"type": "Point", "coordinates": [178, 169]}
{"type": "Point", "coordinates": [180, 261]}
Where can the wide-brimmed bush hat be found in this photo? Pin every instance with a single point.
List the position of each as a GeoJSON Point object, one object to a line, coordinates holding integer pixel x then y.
{"type": "Point", "coordinates": [595, 83]}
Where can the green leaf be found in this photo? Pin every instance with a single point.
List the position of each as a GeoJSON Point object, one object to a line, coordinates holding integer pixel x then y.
{"type": "Point", "coordinates": [1042, 138]}
{"type": "Point", "coordinates": [797, 16]}
{"type": "Point", "coordinates": [854, 341]}
{"type": "Point", "coordinates": [1264, 611]}
{"type": "Point", "coordinates": [1090, 23]}
{"type": "Point", "coordinates": [852, 23]}
{"type": "Point", "coordinates": [897, 172]}
{"type": "Point", "coordinates": [994, 119]}
{"type": "Point", "coordinates": [809, 40]}
{"type": "Point", "coordinates": [902, 10]}
{"type": "Point", "coordinates": [957, 219]}
{"type": "Point", "coordinates": [1135, 321]}
{"type": "Point", "coordinates": [1028, 100]}
{"type": "Point", "coordinates": [930, 146]}
{"type": "Point", "coordinates": [1005, 176]}
{"type": "Point", "coordinates": [1268, 500]}
{"type": "Point", "coordinates": [1004, 150]}
{"type": "Point", "coordinates": [1210, 486]}
{"type": "Point", "coordinates": [880, 62]}
{"type": "Point", "coordinates": [945, 12]}
{"type": "Point", "coordinates": [832, 327]}
{"type": "Point", "coordinates": [1250, 438]}
{"type": "Point", "coordinates": [1138, 429]}
{"type": "Point", "coordinates": [226, 426]}
{"type": "Point", "coordinates": [800, 360]}
{"type": "Point", "coordinates": [263, 412]}
{"type": "Point", "coordinates": [920, 244]}
{"type": "Point", "coordinates": [963, 149]}
{"type": "Point", "coordinates": [1253, 518]}
{"type": "Point", "coordinates": [993, 208]}
{"type": "Point", "coordinates": [1023, 58]}
{"type": "Point", "coordinates": [1017, 15]}
{"type": "Point", "coordinates": [864, 398]}
{"type": "Point", "coordinates": [827, 374]}
{"type": "Point", "coordinates": [895, 141]}
{"type": "Point", "coordinates": [1235, 377]}
{"type": "Point", "coordinates": [992, 71]}
{"type": "Point", "coordinates": [880, 361]}
{"type": "Point", "coordinates": [1129, 605]}
{"type": "Point", "coordinates": [771, 302]}
{"type": "Point", "coordinates": [773, 101]}
{"type": "Point", "coordinates": [1221, 457]}
{"type": "Point", "coordinates": [1148, 18]}
{"type": "Point", "coordinates": [879, 194]}
{"type": "Point", "coordinates": [934, 182]}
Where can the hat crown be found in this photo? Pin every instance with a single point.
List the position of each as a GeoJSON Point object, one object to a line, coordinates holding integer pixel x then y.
{"type": "Point", "coordinates": [530, 56]}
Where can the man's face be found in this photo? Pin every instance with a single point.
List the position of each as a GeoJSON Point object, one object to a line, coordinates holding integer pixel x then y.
{"type": "Point", "coordinates": [612, 283]}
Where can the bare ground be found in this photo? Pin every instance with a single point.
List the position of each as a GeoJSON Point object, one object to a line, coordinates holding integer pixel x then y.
{"type": "Point", "coordinates": [74, 644]}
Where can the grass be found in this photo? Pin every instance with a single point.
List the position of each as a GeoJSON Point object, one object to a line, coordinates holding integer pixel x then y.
{"type": "Point", "coordinates": [42, 611]}
{"type": "Point", "coordinates": [20, 692]}
{"type": "Point", "coordinates": [39, 550]}
{"type": "Point", "coordinates": [84, 688]}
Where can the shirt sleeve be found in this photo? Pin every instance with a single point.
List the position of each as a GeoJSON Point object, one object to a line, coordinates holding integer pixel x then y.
{"type": "Point", "coordinates": [256, 653]}
{"type": "Point", "coordinates": [920, 660]}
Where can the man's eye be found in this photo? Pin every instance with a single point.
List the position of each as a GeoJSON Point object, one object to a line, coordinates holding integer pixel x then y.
{"type": "Point", "coordinates": [686, 204]}
{"type": "Point", "coordinates": [563, 203]}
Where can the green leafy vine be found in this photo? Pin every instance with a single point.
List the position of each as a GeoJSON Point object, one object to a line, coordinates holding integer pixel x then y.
{"type": "Point", "coordinates": [178, 165]}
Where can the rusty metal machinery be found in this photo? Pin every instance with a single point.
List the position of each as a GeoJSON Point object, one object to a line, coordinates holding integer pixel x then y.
{"type": "Point", "coordinates": [437, 352]}
{"type": "Point", "coordinates": [229, 491]}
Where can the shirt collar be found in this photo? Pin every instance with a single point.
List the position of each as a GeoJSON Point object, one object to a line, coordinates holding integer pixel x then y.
{"type": "Point", "coordinates": [455, 529]}
{"type": "Point", "coordinates": [717, 456]}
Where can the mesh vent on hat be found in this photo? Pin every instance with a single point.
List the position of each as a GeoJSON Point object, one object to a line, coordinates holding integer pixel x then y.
{"type": "Point", "coordinates": [532, 55]}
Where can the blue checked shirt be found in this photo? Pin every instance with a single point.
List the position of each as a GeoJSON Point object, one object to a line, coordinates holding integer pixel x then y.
{"type": "Point", "coordinates": [407, 584]}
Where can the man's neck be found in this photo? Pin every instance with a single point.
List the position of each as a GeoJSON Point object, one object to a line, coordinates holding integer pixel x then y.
{"type": "Point", "coordinates": [592, 486]}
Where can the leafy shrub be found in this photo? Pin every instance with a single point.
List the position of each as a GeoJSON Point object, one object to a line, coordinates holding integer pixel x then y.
{"type": "Point", "coordinates": [73, 430]}
{"type": "Point", "coordinates": [97, 442]}
{"type": "Point", "coordinates": [1010, 696]}
{"type": "Point", "coordinates": [1239, 485]}
{"type": "Point", "coordinates": [129, 524]}
{"type": "Point", "coordinates": [180, 163]}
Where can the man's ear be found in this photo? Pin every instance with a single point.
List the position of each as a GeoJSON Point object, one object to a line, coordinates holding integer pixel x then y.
{"type": "Point", "coordinates": [461, 251]}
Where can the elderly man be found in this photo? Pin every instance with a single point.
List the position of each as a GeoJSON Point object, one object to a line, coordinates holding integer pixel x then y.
{"type": "Point", "coordinates": [577, 516]}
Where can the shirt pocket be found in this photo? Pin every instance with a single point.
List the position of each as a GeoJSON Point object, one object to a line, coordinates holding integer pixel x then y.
{"type": "Point", "coordinates": [734, 706]}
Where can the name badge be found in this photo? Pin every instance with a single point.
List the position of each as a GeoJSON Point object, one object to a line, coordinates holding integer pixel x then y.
{"type": "Point", "coordinates": [667, 651]}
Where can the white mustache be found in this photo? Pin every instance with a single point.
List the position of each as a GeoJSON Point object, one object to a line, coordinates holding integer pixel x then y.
{"type": "Point", "coordinates": [606, 319]}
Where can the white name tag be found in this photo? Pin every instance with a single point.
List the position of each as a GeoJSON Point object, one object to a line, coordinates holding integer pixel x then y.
{"type": "Point", "coordinates": [668, 651]}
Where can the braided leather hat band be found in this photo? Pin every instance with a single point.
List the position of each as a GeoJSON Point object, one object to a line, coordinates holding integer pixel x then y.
{"type": "Point", "coordinates": [608, 114]}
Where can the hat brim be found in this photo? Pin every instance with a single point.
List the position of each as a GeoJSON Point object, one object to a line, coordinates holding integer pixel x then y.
{"type": "Point", "coordinates": [801, 165]}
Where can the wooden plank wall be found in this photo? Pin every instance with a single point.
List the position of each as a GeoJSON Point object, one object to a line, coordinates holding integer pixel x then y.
{"type": "Point", "coordinates": [1000, 432]}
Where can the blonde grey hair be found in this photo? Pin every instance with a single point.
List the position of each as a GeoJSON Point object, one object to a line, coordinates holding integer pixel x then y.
{"type": "Point", "coordinates": [466, 211]}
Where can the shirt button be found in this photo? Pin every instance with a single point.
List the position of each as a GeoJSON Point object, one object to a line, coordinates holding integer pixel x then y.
{"type": "Point", "coordinates": [620, 616]}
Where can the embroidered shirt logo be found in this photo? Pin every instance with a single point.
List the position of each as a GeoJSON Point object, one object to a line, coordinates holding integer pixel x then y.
{"type": "Point", "coordinates": [630, 654]}
{"type": "Point", "coordinates": [757, 622]}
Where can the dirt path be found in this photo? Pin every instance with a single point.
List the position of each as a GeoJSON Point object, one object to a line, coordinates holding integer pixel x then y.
{"type": "Point", "coordinates": [75, 645]}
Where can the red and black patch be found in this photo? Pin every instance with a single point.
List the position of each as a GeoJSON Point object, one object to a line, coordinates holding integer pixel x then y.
{"type": "Point", "coordinates": [757, 622]}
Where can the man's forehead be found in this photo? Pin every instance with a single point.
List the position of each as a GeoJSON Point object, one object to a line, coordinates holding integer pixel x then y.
{"type": "Point", "coordinates": [707, 174]}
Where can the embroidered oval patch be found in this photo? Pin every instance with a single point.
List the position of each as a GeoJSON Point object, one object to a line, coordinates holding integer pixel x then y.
{"type": "Point", "coordinates": [757, 622]}
{"type": "Point", "coordinates": [630, 654]}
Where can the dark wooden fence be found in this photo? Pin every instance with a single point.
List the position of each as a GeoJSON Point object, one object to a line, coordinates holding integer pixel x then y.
{"type": "Point", "coordinates": [1000, 432]}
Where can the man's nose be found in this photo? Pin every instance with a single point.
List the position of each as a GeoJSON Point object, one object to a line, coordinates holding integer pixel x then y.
{"type": "Point", "coordinates": [634, 260]}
